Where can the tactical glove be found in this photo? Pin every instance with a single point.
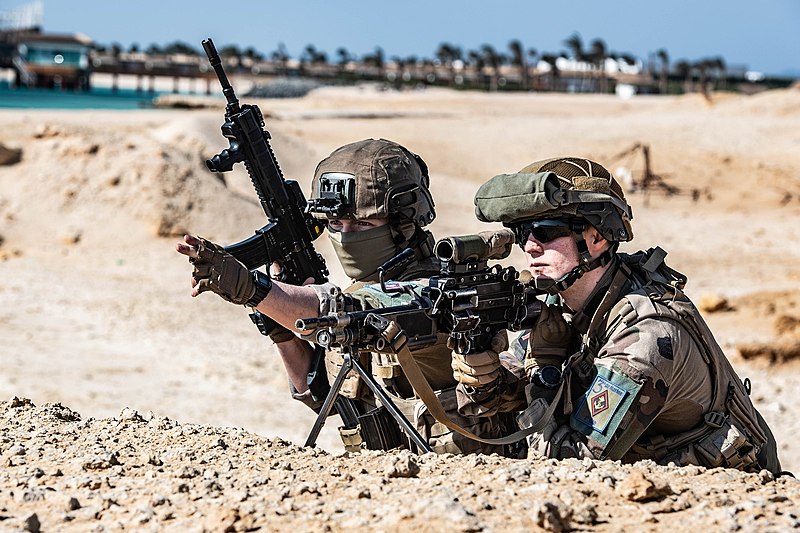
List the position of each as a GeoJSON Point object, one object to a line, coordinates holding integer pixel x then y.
{"type": "Point", "coordinates": [551, 340]}
{"type": "Point", "coordinates": [481, 368]}
{"type": "Point", "coordinates": [218, 271]}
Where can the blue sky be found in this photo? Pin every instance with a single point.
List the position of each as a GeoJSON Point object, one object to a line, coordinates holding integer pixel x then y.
{"type": "Point", "coordinates": [761, 35]}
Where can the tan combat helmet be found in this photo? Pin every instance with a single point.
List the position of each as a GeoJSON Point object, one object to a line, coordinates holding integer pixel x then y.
{"type": "Point", "coordinates": [373, 179]}
{"type": "Point", "coordinates": [588, 191]}
{"type": "Point", "coordinates": [573, 188]}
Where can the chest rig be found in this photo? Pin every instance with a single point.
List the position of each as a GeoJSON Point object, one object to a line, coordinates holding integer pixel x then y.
{"type": "Point", "coordinates": [732, 433]}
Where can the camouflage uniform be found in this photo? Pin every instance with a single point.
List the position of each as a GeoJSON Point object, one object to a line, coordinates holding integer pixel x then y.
{"type": "Point", "coordinates": [646, 379]}
{"type": "Point", "coordinates": [391, 182]}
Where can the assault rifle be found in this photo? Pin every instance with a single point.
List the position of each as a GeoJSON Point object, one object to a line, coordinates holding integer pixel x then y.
{"type": "Point", "coordinates": [289, 234]}
{"type": "Point", "coordinates": [468, 300]}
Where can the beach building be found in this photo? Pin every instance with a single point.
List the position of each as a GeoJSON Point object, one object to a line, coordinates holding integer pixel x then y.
{"type": "Point", "coordinates": [52, 61]}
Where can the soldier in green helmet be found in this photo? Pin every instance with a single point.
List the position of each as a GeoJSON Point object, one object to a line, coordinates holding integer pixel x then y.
{"type": "Point", "coordinates": [620, 364]}
{"type": "Point", "coordinates": [374, 197]}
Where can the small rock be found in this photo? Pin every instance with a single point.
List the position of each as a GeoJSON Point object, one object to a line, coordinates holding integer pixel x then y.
{"type": "Point", "coordinates": [585, 513]}
{"type": "Point", "coordinates": [188, 472]}
{"type": "Point", "coordinates": [73, 504]}
{"type": "Point", "coordinates": [403, 464]}
{"type": "Point", "coordinates": [548, 516]}
{"type": "Point", "coordinates": [637, 488]}
{"type": "Point", "coordinates": [765, 476]}
{"type": "Point", "coordinates": [130, 414]}
{"type": "Point", "coordinates": [9, 156]}
{"type": "Point", "coordinates": [32, 524]}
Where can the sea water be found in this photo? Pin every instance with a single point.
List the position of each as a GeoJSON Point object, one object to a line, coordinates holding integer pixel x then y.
{"type": "Point", "coordinates": [96, 98]}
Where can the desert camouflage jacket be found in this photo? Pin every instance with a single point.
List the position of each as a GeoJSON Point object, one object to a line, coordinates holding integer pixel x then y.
{"type": "Point", "coordinates": [651, 378]}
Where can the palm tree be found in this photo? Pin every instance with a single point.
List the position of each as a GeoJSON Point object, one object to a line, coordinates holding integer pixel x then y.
{"type": "Point", "coordinates": [477, 61]}
{"type": "Point", "coordinates": [551, 60]}
{"type": "Point", "coordinates": [180, 47]}
{"type": "Point", "coordinates": [533, 59]}
{"type": "Point", "coordinates": [232, 51]}
{"type": "Point", "coordinates": [494, 60]}
{"type": "Point", "coordinates": [684, 70]}
{"type": "Point", "coordinates": [520, 60]}
{"type": "Point", "coordinates": [702, 67]}
{"type": "Point", "coordinates": [252, 55]}
{"type": "Point", "coordinates": [312, 56]}
{"type": "Point", "coordinates": [375, 59]}
{"type": "Point", "coordinates": [598, 54]}
{"type": "Point", "coordinates": [663, 57]}
{"type": "Point", "coordinates": [344, 57]}
{"type": "Point", "coordinates": [718, 64]}
{"type": "Point", "coordinates": [448, 54]}
{"type": "Point", "coordinates": [575, 45]}
{"type": "Point", "coordinates": [281, 56]}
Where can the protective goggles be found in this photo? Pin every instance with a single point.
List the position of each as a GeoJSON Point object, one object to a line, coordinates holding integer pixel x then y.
{"type": "Point", "coordinates": [546, 230]}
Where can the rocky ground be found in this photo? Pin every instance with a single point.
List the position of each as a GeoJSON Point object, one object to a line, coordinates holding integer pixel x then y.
{"type": "Point", "coordinates": [61, 472]}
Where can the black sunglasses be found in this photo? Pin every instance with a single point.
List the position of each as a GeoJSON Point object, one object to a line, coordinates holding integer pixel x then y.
{"type": "Point", "coordinates": [547, 230]}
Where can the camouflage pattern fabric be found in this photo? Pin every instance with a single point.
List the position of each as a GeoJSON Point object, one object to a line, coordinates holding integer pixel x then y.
{"type": "Point", "coordinates": [650, 393]}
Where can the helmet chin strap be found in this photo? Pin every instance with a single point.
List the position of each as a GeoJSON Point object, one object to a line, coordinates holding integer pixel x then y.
{"type": "Point", "coordinates": [585, 264]}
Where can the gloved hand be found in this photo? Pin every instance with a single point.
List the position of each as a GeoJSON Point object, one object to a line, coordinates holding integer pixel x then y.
{"type": "Point", "coordinates": [551, 340]}
{"type": "Point", "coordinates": [480, 369]}
{"type": "Point", "coordinates": [218, 271]}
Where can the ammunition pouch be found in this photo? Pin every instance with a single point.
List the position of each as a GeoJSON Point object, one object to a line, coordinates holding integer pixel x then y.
{"type": "Point", "coordinates": [352, 386]}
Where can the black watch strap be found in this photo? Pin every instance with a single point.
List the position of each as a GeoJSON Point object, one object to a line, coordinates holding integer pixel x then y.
{"type": "Point", "coordinates": [263, 285]}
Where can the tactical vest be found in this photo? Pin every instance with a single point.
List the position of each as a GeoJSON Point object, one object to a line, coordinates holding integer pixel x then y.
{"type": "Point", "coordinates": [733, 433]}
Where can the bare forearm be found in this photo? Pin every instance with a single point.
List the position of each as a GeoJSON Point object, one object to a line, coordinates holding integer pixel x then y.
{"type": "Point", "coordinates": [297, 356]}
{"type": "Point", "coordinates": [287, 303]}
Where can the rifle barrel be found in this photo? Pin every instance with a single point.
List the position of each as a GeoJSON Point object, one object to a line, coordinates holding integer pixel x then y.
{"type": "Point", "coordinates": [216, 64]}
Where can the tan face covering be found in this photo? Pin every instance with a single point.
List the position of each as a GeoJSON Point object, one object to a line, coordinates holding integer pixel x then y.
{"type": "Point", "coordinates": [362, 252]}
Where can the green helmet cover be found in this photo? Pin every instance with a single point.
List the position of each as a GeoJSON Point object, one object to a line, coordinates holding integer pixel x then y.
{"type": "Point", "coordinates": [573, 187]}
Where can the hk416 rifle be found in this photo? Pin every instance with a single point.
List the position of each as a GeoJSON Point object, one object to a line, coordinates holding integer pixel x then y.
{"type": "Point", "coordinates": [289, 234]}
{"type": "Point", "coordinates": [468, 300]}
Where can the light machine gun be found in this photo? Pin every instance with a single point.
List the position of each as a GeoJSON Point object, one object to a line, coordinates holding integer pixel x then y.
{"type": "Point", "coordinates": [468, 300]}
{"type": "Point", "coordinates": [289, 234]}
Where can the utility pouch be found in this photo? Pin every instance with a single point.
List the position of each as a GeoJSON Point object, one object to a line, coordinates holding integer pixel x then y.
{"type": "Point", "coordinates": [379, 430]}
{"type": "Point", "coordinates": [726, 446]}
{"type": "Point", "coordinates": [352, 386]}
{"type": "Point", "coordinates": [351, 438]}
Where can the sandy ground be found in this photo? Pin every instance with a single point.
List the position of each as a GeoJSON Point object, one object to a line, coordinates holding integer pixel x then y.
{"type": "Point", "coordinates": [95, 311]}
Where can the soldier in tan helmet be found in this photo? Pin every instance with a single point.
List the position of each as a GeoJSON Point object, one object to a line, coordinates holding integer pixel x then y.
{"type": "Point", "coordinates": [374, 197]}
{"type": "Point", "coordinates": [620, 365]}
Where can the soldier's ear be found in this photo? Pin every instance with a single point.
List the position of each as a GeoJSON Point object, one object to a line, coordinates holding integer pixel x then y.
{"type": "Point", "coordinates": [595, 240]}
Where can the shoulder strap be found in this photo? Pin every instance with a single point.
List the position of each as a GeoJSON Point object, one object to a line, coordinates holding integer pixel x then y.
{"type": "Point", "coordinates": [398, 341]}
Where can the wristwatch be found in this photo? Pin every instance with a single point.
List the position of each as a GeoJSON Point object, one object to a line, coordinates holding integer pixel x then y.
{"type": "Point", "coordinates": [548, 377]}
{"type": "Point", "coordinates": [263, 284]}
